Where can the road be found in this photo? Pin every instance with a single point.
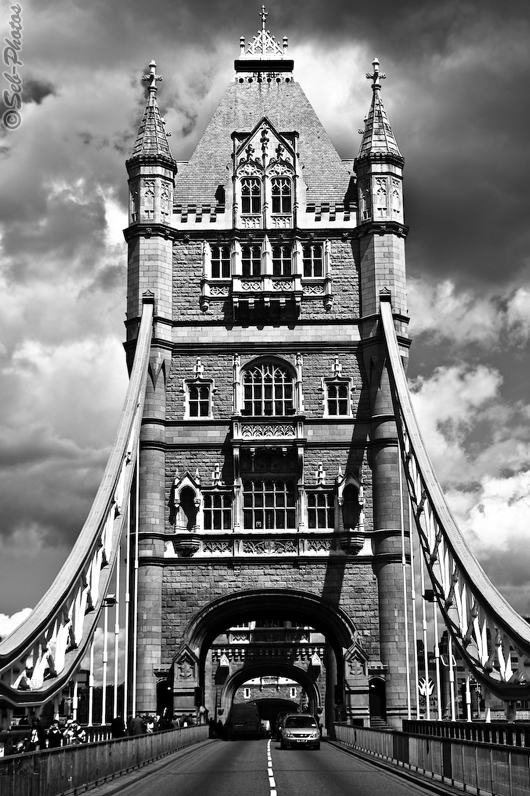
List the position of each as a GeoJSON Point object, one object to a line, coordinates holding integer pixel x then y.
{"type": "Point", "coordinates": [261, 768]}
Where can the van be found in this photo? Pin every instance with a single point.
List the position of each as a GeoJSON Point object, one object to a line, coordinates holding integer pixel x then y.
{"type": "Point", "coordinates": [244, 722]}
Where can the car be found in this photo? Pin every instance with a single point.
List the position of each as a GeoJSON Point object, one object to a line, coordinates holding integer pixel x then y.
{"type": "Point", "coordinates": [300, 729]}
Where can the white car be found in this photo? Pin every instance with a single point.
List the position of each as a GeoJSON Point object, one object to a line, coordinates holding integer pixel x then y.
{"type": "Point", "coordinates": [300, 729]}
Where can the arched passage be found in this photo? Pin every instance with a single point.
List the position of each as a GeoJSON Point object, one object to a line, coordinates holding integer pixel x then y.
{"type": "Point", "coordinates": [281, 670]}
{"type": "Point", "coordinates": [303, 609]}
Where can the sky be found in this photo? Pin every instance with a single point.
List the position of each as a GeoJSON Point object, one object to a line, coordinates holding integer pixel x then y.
{"type": "Point", "coordinates": [457, 78]}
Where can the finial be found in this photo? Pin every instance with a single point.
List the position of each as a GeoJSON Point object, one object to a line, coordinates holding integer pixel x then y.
{"type": "Point", "coordinates": [153, 78]}
{"type": "Point", "coordinates": [376, 75]}
{"type": "Point", "coordinates": [263, 14]}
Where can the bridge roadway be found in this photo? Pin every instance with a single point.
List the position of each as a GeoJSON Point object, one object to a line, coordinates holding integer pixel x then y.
{"type": "Point", "coordinates": [261, 768]}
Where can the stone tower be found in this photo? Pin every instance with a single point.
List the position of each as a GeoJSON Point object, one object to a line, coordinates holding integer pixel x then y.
{"type": "Point", "coordinates": [269, 520]}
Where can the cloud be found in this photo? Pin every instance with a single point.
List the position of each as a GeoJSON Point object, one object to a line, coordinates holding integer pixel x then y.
{"type": "Point", "coordinates": [10, 623]}
{"type": "Point", "coordinates": [449, 405]}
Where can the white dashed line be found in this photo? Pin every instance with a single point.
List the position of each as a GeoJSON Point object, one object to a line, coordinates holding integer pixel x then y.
{"type": "Point", "coordinates": [270, 771]}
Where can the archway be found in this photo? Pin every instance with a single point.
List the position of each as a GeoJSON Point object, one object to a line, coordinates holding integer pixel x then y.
{"type": "Point", "coordinates": [302, 609]}
{"type": "Point", "coordinates": [282, 670]}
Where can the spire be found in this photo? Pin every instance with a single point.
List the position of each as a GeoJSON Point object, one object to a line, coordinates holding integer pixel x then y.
{"type": "Point", "coordinates": [263, 48]}
{"type": "Point", "coordinates": [378, 137]}
{"type": "Point", "coordinates": [152, 137]}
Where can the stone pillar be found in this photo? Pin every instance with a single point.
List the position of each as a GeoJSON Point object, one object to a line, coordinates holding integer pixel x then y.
{"type": "Point", "coordinates": [388, 549]}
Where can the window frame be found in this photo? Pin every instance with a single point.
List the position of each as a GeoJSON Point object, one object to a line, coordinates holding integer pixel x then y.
{"type": "Point", "coordinates": [198, 384]}
{"type": "Point", "coordinates": [259, 393]}
{"type": "Point", "coordinates": [338, 382]}
{"type": "Point", "coordinates": [262, 507]}
{"type": "Point", "coordinates": [309, 260]}
{"type": "Point", "coordinates": [282, 201]}
{"type": "Point", "coordinates": [251, 203]}
{"type": "Point", "coordinates": [220, 263]}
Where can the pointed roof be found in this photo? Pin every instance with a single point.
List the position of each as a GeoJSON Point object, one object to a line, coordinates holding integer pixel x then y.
{"type": "Point", "coordinates": [378, 137]}
{"type": "Point", "coordinates": [151, 140]}
{"type": "Point", "coordinates": [244, 104]}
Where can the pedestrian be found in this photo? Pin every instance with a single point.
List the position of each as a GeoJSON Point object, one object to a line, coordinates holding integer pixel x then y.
{"type": "Point", "coordinates": [136, 725]}
{"type": "Point", "coordinates": [37, 738]}
{"type": "Point", "coordinates": [117, 727]}
{"type": "Point", "coordinates": [55, 735]}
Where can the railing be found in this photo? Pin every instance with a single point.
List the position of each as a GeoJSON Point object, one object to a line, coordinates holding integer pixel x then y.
{"type": "Point", "coordinates": [492, 639]}
{"type": "Point", "coordinates": [75, 768]}
{"type": "Point", "coordinates": [45, 651]}
{"type": "Point", "coordinates": [504, 771]}
{"type": "Point", "coordinates": [501, 734]}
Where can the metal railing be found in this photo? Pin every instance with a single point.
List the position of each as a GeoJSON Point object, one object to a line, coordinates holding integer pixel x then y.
{"type": "Point", "coordinates": [500, 770]}
{"type": "Point", "coordinates": [76, 768]}
{"type": "Point", "coordinates": [499, 733]}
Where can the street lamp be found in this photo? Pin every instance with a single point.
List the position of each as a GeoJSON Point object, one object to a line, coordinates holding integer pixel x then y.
{"type": "Point", "coordinates": [107, 603]}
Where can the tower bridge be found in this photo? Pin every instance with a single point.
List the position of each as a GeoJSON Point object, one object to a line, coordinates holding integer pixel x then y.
{"type": "Point", "coordinates": [268, 468]}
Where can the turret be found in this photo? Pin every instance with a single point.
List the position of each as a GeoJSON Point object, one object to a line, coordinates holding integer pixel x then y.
{"type": "Point", "coordinates": [152, 170]}
{"type": "Point", "coordinates": [379, 169]}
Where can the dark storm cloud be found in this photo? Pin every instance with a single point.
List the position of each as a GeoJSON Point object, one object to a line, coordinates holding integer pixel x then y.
{"type": "Point", "coordinates": [36, 90]}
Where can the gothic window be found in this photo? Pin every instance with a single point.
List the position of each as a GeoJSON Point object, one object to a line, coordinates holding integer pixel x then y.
{"type": "Point", "coordinates": [188, 510]}
{"type": "Point", "coordinates": [251, 260]}
{"type": "Point", "coordinates": [281, 195]}
{"type": "Point", "coordinates": [313, 262]}
{"type": "Point", "coordinates": [220, 262]}
{"type": "Point", "coordinates": [268, 391]}
{"type": "Point", "coordinates": [199, 400]}
{"type": "Point", "coordinates": [250, 195]}
{"type": "Point", "coordinates": [320, 510]}
{"type": "Point", "coordinates": [269, 504]}
{"type": "Point", "coordinates": [338, 398]}
{"type": "Point", "coordinates": [217, 511]}
{"type": "Point", "coordinates": [281, 260]}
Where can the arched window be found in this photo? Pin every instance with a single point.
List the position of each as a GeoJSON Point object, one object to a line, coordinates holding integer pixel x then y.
{"type": "Point", "coordinates": [281, 260]}
{"type": "Point", "coordinates": [281, 195]}
{"type": "Point", "coordinates": [251, 260]}
{"type": "Point", "coordinates": [220, 262]}
{"type": "Point", "coordinates": [312, 256]}
{"type": "Point", "coordinates": [250, 195]}
{"type": "Point", "coordinates": [269, 504]}
{"type": "Point", "coordinates": [268, 391]}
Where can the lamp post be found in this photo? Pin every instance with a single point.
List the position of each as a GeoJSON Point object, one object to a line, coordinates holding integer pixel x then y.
{"type": "Point", "coordinates": [109, 601]}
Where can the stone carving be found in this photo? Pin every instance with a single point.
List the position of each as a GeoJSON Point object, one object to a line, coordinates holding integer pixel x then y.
{"type": "Point", "coordinates": [250, 222]}
{"type": "Point", "coordinates": [313, 290]}
{"type": "Point", "coordinates": [282, 222]}
{"type": "Point", "coordinates": [216, 546]}
{"type": "Point", "coordinates": [319, 545]}
{"type": "Point", "coordinates": [219, 290]}
{"type": "Point", "coordinates": [254, 285]}
{"type": "Point", "coordinates": [253, 430]}
{"type": "Point", "coordinates": [282, 285]}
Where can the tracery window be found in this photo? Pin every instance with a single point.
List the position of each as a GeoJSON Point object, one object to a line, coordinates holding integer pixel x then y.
{"type": "Point", "coordinates": [268, 391]}
{"type": "Point", "coordinates": [281, 195]}
{"type": "Point", "coordinates": [269, 504]}
{"type": "Point", "coordinates": [217, 511]}
{"type": "Point", "coordinates": [220, 268]}
{"type": "Point", "coordinates": [313, 261]}
{"type": "Point", "coordinates": [251, 260]}
{"type": "Point", "coordinates": [250, 195]}
{"type": "Point", "coordinates": [320, 510]}
{"type": "Point", "coordinates": [281, 260]}
{"type": "Point", "coordinates": [338, 398]}
{"type": "Point", "coordinates": [199, 400]}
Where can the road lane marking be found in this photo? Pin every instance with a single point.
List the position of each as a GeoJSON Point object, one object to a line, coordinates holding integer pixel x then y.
{"type": "Point", "coordinates": [270, 771]}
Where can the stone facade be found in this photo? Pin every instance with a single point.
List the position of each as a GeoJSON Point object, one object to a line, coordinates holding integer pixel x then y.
{"type": "Point", "coordinates": [269, 478]}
